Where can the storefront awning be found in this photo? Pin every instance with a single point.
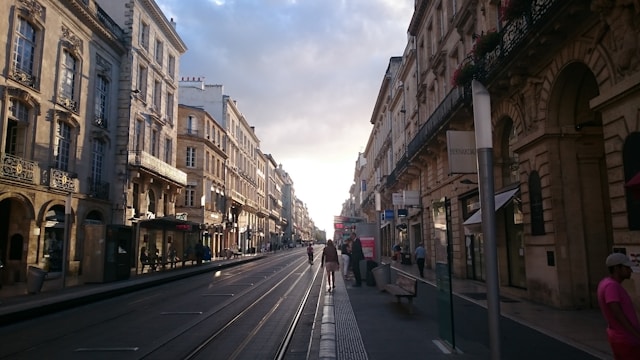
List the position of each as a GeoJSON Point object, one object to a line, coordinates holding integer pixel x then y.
{"type": "Point", "coordinates": [500, 199]}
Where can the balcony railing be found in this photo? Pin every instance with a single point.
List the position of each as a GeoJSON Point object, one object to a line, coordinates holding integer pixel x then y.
{"type": "Point", "coordinates": [149, 162]}
{"type": "Point", "coordinates": [61, 180]}
{"type": "Point", "coordinates": [515, 33]}
{"type": "Point", "coordinates": [109, 23]}
{"type": "Point", "coordinates": [98, 189]}
{"type": "Point", "coordinates": [18, 169]}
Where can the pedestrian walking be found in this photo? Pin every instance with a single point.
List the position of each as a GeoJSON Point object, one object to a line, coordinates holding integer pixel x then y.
{"type": "Point", "coordinates": [356, 256]}
{"type": "Point", "coordinates": [345, 251]}
{"type": "Point", "coordinates": [623, 328]}
{"type": "Point", "coordinates": [420, 255]}
{"type": "Point", "coordinates": [310, 253]}
{"type": "Point", "coordinates": [199, 251]}
{"type": "Point", "coordinates": [330, 263]}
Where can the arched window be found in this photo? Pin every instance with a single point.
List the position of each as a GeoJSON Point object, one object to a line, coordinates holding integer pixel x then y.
{"type": "Point", "coordinates": [631, 162]}
{"type": "Point", "coordinates": [535, 202]}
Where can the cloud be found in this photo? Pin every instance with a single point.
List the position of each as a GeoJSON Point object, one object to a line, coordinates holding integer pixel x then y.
{"type": "Point", "coordinates": [306, 74]}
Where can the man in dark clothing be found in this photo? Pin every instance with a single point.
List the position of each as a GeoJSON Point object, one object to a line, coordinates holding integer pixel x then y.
{"type": "Point", "coordinates": [356, 256]}
{"type": "Point", "coordinates": [199, 250]}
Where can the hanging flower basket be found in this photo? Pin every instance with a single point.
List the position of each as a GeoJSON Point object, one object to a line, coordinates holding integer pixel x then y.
{"type": "Point", "coordinates": [463, 74]}
{"type": "Point", "coordinates": [486, 43]}
{"type": "Point", "coordinates": [512, 9]}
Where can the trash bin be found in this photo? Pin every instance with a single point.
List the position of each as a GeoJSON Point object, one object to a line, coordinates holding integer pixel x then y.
{"type": "Point", "coordinates": [371, 281]}
{"type": "Point", "coordinates": [406, 258]}
{"type": "Point", "coordinates": [35, 279]}
{"type": "Point", "coordinates": [382, 275]}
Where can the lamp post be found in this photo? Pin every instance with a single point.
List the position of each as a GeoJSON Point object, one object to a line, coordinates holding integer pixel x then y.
{"type": "Point", "coordinates": [484, 151]}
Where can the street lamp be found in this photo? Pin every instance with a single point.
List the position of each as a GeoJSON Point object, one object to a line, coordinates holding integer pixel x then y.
{"type": "Point", "coordinates": [484, 151]}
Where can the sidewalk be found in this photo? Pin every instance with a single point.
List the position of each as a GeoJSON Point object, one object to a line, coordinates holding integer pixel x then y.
{"type": "Point", "coordinates": [581, 329]}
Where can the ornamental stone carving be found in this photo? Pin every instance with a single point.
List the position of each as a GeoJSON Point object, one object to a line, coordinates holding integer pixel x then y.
{"type": "Point", "coordinates": [620, 32]}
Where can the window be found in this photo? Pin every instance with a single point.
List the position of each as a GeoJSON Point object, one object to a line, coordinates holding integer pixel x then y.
{"type": "Point", "coordinates": [169, 110]}
{"type": "Point", "coordinates": [102, 101]}
{"type": "Point", "coordinates": [24, 52]}
{"type": "Point", "coordinates": [157, 95]}
{"type": "Point", "coordinates": [168, 150]}
{"type": "Point", "coordinates": [68, 72]}
{"type": "Point", "coordinates": [158, 54]}
{"type": "Point", "coordinates": [171, 66]}
{"type": "Point", "coordinates": [190, 124]}
{"type": "Point", "coordinates": [142, 81]}
{"type": "Point", "coordinates": [62, 145]}
{"type": "Point", "coordinates": [18, 118]}
{"type": "Point", "coordinates": [189, 195]}
{"type": "Point", "coordinates": [154, 142]}
{"type": "Point", "coordinates": [97, 164]}
{"type": "Point", "coordinates": [138, 136]}
{"type": "Point", "coordinates": [144, 35]}
{"type": "Point", "coordinates": [191, 157]}
{"type": "Point", "coordinates": [151, 206]}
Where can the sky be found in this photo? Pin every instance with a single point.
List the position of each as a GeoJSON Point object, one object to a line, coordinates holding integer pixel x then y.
{"type": "Point", "coordinates": [305, 73]}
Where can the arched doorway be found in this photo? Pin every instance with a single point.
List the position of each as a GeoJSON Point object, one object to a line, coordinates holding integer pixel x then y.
{"type": "Point", "coordinates": [583, 223]}
{"type": "Point", "coordinates": [16, 219]}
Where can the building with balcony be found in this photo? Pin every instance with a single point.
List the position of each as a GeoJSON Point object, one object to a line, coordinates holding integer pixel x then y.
{"type": "Point", "coordinates": [148, 180]}
{"type": "Point", "coordinates": [58, 126]}
{"type": "Point", "coordinates": [242, 148]}
{"type": "Point", "coordinates": [201, 156]}
{"type": "Point", "coordinates": [275, 222]}
{"type": "Point", "coordinates": [562, 76]}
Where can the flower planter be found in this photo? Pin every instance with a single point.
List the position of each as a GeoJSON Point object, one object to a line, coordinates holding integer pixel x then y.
{"type": "Point", "coordinates": [464, 74]}
{"type": "Point", "coordinates": [486, 43]}
{"type": "Point", "coordinates": [513, 9]}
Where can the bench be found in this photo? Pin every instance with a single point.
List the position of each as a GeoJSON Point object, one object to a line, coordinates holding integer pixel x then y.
{"type": "Point", "coordinates": [405, 286]}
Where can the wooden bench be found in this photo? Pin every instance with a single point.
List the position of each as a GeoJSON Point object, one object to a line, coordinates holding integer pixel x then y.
{"type": "Point", "coordinates": [405, 286]}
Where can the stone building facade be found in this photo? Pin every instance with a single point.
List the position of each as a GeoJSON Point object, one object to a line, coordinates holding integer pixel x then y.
{"type": "Point", "coordinates": [59, 123]}
{"type": "Point", "coordinates": [563, 79]}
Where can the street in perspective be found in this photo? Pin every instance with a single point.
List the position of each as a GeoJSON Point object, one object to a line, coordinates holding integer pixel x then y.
{"type": "Point", "coordinates": [320, 179]}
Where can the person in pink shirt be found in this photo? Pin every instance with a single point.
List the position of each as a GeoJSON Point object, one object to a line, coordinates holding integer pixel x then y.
{"type": "Point", "coordinates": [623, 328]}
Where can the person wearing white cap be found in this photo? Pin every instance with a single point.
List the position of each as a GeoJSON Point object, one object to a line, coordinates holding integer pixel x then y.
{"type": "Point", "coordinates": [623, 327]}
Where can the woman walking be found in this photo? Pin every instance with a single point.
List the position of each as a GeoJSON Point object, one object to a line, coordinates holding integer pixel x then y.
{"type": "Point", "coordinates": [330, 259]}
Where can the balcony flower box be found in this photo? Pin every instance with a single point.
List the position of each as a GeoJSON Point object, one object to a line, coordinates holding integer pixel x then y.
{"type": "Point", "coordinates": [464, 74]}
{"type": "Point", "coordinates": [512, 9]}
{"type": "Point", "coordinates": [486, 43]}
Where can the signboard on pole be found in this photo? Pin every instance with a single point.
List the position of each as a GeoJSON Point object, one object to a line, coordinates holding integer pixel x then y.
{"type": "Point", "coordinates": [461, 149]}
{"type": "Point", "coordinates": [368, 247]}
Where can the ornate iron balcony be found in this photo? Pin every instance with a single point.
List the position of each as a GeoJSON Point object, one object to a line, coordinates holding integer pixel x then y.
{"type": "Point", "coordinates": [18, 169]}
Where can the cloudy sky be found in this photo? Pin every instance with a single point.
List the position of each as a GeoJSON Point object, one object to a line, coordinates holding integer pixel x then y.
{"type": "Point", "coordinates": [305, 73]}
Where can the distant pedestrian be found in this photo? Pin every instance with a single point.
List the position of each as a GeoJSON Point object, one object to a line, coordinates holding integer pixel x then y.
{"type": "Point", "coordinates": [345, 251]}
{"type": "Point", "coordinates": [330, 263]}
{"type": "Point", "coordinates": [420, 254]}
{"type": "Point", "coordinates": [144, 258]}
{"type": "Point", "coordinates": [623, 328]}
{"type": "Point", "coordinates": [199, 250]}
{"type": "Point", "coordinates": [310, 253]}
{"type": "Point", "coordinates": [356, 256]}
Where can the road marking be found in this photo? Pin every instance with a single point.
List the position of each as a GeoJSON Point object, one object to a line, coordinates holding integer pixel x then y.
{"type": "Point", "coordinates": [442, 347]}
{"type": "Point", "coordinates": [181, 313]}
{"type": "Point", "coordinates": [217, 294]}
{"type": "Point", "coordinates": [107, 349]}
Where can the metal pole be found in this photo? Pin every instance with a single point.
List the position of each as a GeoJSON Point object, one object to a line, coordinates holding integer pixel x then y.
{"type": "Point", "coordinates": [484, 149]}
{"type": "Point", "coordinates": [67, 238]}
